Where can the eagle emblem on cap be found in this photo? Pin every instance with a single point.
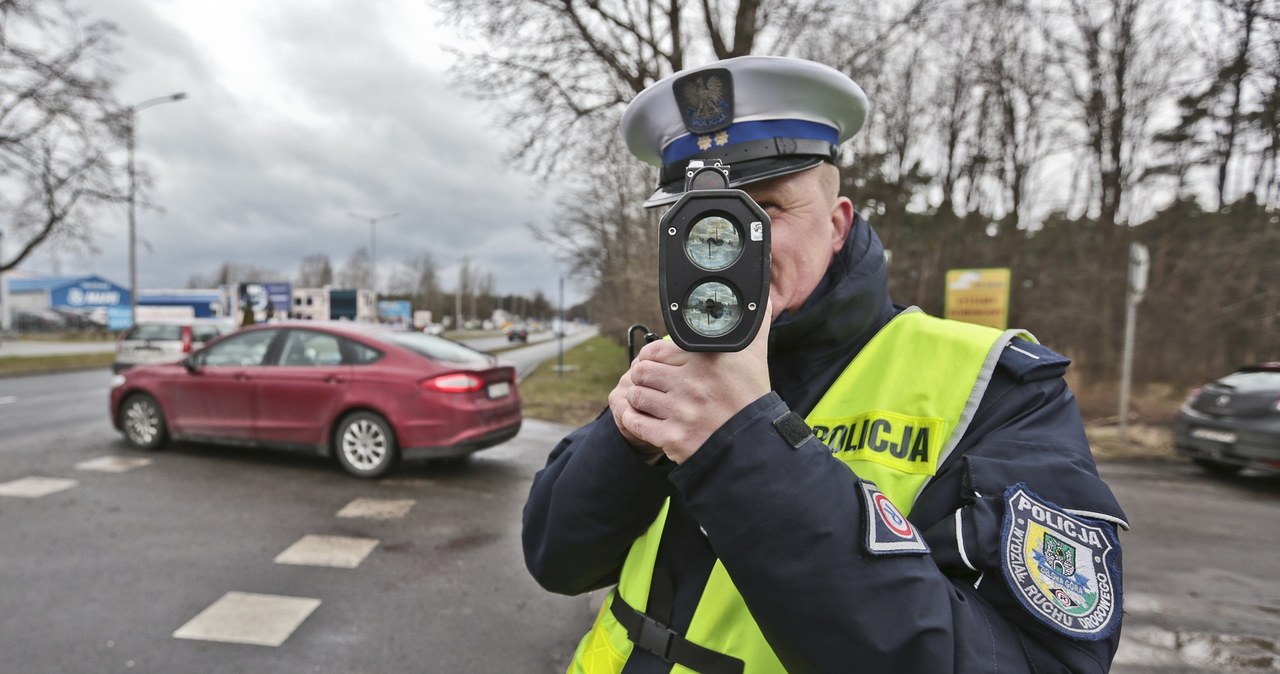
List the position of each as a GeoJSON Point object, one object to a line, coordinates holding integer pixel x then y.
{"type": "Point", "coordinates": [705, 99]}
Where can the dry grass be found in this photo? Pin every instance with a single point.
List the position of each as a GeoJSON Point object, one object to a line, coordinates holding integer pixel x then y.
{"type": "Point", "coordinates": [579, 393]}
{"type": "Point", "coordinates": [577, 396]}
{"type": "Point", "coordinates": [23, 365]}
{"type": "Point", "coordinates": [1141, 442]}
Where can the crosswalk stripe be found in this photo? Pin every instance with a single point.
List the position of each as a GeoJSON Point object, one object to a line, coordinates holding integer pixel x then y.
{"type": "Point", "coordinates": [35, 487]}
{"type": "Point", "coordinates": [340, 552]}
{"type": "Point", "coordinates": [249, 618]}
{"type": "Point", "coordinates": [113, 464]}
{"type": "Point", "coordinates": [377, 508]}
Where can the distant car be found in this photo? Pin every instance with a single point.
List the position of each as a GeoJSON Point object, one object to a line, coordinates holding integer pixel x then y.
{"type": "Point", "coordinates": [363, 394]}
{"type": "Point", "coordinates": [150, 342]}
{"type": "Point", "coordinates": [518, 333]}
{"type": "Point", "coordinates": [1233, 422]}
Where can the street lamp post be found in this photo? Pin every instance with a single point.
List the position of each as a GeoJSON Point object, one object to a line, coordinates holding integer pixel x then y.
{"type": "Point", "coordinates": [131, 114]}
{"type": "Point", "coordinates": [373, 241]}
{"type": "Point", "coordinates": [5, 313]}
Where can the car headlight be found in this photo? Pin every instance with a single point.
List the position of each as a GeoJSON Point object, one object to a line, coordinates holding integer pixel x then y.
{"type": "Point", "coordinates": [117, 380]}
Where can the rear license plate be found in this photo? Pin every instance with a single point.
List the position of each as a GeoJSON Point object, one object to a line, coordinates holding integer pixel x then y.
{"type": "Point", "coordinates": [1214, 435]}
{"type": "Point", "coordinates": [500, 389]}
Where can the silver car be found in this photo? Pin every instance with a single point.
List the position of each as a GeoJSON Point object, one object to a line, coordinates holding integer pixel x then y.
{"type": "Point", "coordinates": [1234, 422]}
{"type": "Point", "coordinates": [165, 342]}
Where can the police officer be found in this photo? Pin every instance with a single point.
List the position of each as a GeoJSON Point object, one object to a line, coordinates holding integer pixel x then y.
{"type": "Point", "coordinates": [864, 488]}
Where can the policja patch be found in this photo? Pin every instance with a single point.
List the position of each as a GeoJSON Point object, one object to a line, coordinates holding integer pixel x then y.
{"type": "Point", "coordinates": [1061, 567]}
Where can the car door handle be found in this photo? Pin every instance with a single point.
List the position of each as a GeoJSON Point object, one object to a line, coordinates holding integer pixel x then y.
{"type": "Point", "coordinates": [334, 379]}
{"type": "Point", "coordinates": [240, 376]}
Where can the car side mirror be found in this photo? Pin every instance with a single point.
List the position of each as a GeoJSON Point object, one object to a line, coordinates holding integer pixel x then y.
{"type": "Point", "coordinates": [192, 364]}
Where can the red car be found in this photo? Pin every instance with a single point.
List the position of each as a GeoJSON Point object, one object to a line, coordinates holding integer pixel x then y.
{"type": "Point", "coordinates": [364, 394]}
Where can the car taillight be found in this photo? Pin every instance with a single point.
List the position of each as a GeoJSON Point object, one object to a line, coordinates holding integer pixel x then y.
{"type": "Point", "coordinates": [186, 339]}
{"type": "Point", "coordinates": [459, 382]}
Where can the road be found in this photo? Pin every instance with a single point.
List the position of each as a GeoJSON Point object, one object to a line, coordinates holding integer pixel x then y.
{"type": "Point", "coordinates": [1202, 570]}
{"type": "Point", "coordinates": [100, 575]}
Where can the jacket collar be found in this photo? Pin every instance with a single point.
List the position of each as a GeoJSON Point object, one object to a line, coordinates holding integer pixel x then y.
{"type": "Point", "coordinates": [809, 348]}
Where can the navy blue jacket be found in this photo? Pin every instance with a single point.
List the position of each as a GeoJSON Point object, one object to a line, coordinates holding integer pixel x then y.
{"type": "Point", "coordinates": [785, 522]}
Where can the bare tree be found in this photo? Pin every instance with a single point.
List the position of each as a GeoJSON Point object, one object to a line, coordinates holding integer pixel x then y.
{"type": "Point", "coordinates": [58, 124]}
{"type": "Point", "coordinates": [466, 289]}
{"type": "Point", "coordinates": [560, 73]}
{"type": "Point", "coordinates": [357, 271]}
{"type": "Point", "coordinates": [1019, 88]}
{"type": "Point", "coordinates": [231, 273]}
{"type": "Point", "coordinates": [315, 271]}
{"type": "Point", "coordinates": [1114, 58]}
{"type": "Point", "coordinates": [561, 70]}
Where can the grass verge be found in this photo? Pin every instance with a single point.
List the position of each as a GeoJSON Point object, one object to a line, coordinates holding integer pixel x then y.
{"type": "Point", "coordinates": [577, 394]}
{"type": "Point", "coordinates": [20, 365]}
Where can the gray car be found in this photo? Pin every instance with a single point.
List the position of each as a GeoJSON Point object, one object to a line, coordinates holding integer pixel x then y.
{"type": "Point", "coordinates": [1233, 422]}
{"type": "Point", "coordinates": [165, 341]}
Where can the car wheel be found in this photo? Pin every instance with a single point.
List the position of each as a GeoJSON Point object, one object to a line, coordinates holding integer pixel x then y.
{"type": "Point", "coordinates": [365, 445]}
{"type": "Point", "coordinates": [1217, 467]}
{"type": "Point", "coordinates": [142, 421]}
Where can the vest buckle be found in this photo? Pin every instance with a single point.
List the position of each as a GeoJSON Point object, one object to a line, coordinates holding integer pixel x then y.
{"type": "Point", "coordinates": [655, 637]}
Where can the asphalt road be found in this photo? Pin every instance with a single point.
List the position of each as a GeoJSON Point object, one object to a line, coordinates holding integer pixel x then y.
{"type": "Point", "coordinates": [100, 575]}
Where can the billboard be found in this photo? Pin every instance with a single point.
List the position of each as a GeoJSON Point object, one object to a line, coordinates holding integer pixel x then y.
{"type": "Point", "coordinates": [398, 312]}
{"type": "Point", "coordinates": [88, 293]}
{"type": "Point", "coordinates": [267, 299]}
{"type": "Point", "coordinates": [978, 296]}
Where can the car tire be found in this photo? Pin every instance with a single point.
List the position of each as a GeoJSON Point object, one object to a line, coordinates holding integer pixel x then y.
{"type": "Point", "coordinates": [1217, 467]}
{"type": "Point", "coordinates": [365, 445]}
{"type": "Point", "coordinates": [142, 422]}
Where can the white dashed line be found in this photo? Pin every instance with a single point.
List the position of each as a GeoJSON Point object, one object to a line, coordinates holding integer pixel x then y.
{"type": "Point", "coordinates": [249, 618]}
{"type": "Point", "coordinates": [35, 487]}
{"type": "Point", "coordinates": [377, 508]}
{"type": "Point", "coordinates": [338, 552]}
{"type": "Point", "coordinates": [8, 400]}
{"type": "Point", "coordinates": [113, 464]}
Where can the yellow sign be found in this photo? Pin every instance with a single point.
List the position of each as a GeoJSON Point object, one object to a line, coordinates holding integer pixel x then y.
{"type": "Point", "coordinates": [978, 296]}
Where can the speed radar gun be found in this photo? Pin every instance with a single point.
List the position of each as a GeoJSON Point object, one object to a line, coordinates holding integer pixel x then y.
{"type": "Point", "coordinates": [713, 263]}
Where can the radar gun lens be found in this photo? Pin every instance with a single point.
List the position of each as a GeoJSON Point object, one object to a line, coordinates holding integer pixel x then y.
{"type": "Point", "coordinates": [712, 309]}
{"type": "Point", "coordinates": [713, 243]}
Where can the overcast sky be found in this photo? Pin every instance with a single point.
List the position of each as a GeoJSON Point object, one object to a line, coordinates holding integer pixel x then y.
{"type": "Point", "coordinates": [301, 112]}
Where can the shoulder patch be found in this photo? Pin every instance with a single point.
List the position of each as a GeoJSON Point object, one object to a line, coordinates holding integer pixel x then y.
{"type": "Point", "coordinates": [1028, 361]}
{"type": "Point", "coordinates": [888, 531]}
{"type": "Point", "coordinates": [1061, 567]}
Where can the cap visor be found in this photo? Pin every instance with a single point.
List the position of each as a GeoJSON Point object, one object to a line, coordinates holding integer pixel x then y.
{"type": "Point", "coordinates": [739, 175]}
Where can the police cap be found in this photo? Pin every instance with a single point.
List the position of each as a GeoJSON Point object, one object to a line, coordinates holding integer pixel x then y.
{"type": "Point", "coordinates": [764, 116]}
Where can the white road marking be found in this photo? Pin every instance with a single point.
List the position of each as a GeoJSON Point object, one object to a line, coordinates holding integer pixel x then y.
{"type": "Point", "coordinates": [339, 552]}
{"type": "Point", "coordinates": [113, 464]}
{"type": "Point", "coordinates": [35, 487]}
{"type": "Point", "coordinates": [249, 618]}
{"type": "Point", "coordinates": [6, 400]}
{"type": "Point", "coordinates": [377, 508]}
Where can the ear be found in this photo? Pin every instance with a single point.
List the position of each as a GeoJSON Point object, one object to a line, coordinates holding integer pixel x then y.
{"type": "Point", "coordinates": [841, 222]}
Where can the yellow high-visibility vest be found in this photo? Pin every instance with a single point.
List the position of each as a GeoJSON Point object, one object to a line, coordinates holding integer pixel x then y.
{"type": "Point", "coordinates": [893, 416]}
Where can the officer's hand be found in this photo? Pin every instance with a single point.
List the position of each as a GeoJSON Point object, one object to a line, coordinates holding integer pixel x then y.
{"type": "Point", "coordinates": [675, 399]}
{"type": "Point", "coordinates": [618, 405]}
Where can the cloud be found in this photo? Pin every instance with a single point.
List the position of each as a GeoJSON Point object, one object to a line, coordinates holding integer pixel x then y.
{"type": "Point", "coordinates": [299, 114]}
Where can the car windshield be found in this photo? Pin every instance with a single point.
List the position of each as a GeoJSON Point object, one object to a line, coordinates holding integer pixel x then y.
{"type": "Point", "coordinates": [1252, 381]}
{"type": "Point", "coordinates": [435, 348]}
{"type": "Point", "coordinates": [167, 332]}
